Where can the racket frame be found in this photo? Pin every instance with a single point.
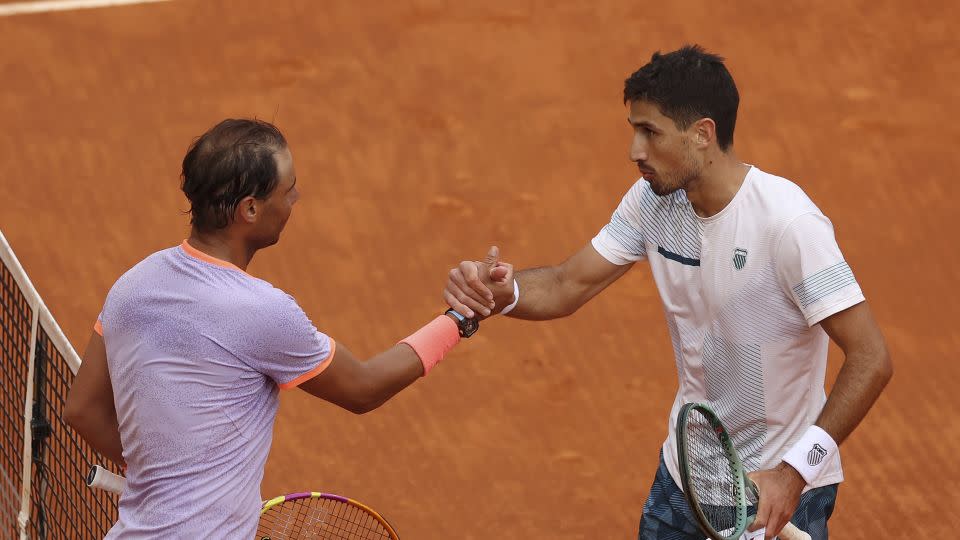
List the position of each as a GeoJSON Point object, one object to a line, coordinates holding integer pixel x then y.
{"type": "Point", "coordinates": [741, 482]}
{"type": "Point", "coordinates": [276, 501]}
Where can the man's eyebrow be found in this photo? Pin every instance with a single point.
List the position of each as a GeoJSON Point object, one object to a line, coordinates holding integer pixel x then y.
{"type": "Point", "coordinates": [642, 123]}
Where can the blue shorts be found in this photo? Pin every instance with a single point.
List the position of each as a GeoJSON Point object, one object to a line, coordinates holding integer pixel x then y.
{"type": "Point", "coordinates": [667, 516]}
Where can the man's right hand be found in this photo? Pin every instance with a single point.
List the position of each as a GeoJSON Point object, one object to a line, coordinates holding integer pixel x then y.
{"type": "Point", "coordinates": [476, 289]}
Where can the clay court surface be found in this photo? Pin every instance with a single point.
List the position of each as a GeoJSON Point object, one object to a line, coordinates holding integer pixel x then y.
{"type": "Point", "coordinates": [425, 131]}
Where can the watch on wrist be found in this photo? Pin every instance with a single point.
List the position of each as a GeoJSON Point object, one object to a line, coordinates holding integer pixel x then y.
{"type": "Point", "coordinates": [467, 327]}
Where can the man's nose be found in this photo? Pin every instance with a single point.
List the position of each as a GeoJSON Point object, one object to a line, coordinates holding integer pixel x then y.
{"type": "Point", "coordinates": [638, 149]}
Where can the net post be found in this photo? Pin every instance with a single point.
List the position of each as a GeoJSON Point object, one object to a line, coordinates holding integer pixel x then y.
{"type": "Point", "coordinates": [23, 519]}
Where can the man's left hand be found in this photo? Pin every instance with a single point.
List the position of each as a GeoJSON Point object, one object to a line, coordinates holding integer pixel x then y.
{"type": "Point", "coordinates": [780, 490]}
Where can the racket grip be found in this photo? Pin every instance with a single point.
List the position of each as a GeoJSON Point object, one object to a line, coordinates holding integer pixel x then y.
{"type": "Point", "coordinates": [100, 478]}
{"type": "Point", "coordinates": [791, 532]}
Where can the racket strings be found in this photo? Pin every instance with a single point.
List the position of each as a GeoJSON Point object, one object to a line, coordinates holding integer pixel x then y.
{"type": "Point", "coordinates": [320, 518]}
{"type": "Point", "coordinates": [712, 478]}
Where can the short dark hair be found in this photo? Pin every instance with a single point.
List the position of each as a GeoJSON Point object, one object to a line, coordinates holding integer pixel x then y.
{"type": "Point", "coordinates": [233, 160]}
{"type": "Point", "coordinates": [686, 85]}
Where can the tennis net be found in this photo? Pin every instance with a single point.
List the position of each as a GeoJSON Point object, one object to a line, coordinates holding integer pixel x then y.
{"type": "Point", "coordinates": [42, 489]}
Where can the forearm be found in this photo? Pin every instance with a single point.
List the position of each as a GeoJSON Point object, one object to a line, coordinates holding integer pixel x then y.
{"type": "Point", "coordinates": [89, 408]}
{"type": "Point", "coordinates": [859, 383]}
{"type": "Point", "coordinates": [553, 292]}
{"type": "Point", "coordinates": [548, 293]}
{"type": "Point", "coordinates": [861, 379]}
{"type": "Point", "coordinates": [542, 295]}
{"type": "Point", "coordinates": [385, 375]}
{"type": "Point", "coordinates": [362, 386]}
{"type": "Point", "coordinates": [866, 370]}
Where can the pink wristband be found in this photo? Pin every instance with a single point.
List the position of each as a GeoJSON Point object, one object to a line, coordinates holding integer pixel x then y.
{"type": "Point", "coordinates": [433, 341]}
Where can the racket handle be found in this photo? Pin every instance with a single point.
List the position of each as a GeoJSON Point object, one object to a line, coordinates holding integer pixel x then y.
{"type": "Point", "coordinates": [791, 532]}
{"type": "Point", "coordinates": [100, 478]}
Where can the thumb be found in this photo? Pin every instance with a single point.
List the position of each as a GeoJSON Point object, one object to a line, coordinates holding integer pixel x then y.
{"type": "Point", "coordinates": [493, 256]}
{"type": "Point", "coordinates": [500, 272]}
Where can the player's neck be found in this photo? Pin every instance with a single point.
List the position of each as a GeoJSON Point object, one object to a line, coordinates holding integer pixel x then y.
{"type": "Point", "coordinates": [220, 245]}
{"type": "Point", "coordinates": [713, 190]}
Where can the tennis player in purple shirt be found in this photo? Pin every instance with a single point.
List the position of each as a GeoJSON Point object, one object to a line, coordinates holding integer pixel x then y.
{"type": "Point", "coordinates": [181, 377]}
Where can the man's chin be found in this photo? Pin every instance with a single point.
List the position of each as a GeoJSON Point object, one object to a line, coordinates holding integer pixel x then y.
{"type": "Point", "coordinates": [661, 190]}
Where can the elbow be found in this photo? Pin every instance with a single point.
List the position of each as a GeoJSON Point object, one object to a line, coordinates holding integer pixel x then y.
{"type": "Point", "coordinates": [361, 409]}
{"type": "Point", "coordinates": [876, 366]}
{"type": "Point", "coordinates": [885, 369]}
{"type": "Point", "coordinates": [567, 306]}
{"type": "Point", "coordinates": [567, 310]}
{"type": "Point", "coordinates": [364, 397]}
{"type": "Point", "coordinates": [574, 297]}
{"type": "Point", "coordinates": [363, 406]}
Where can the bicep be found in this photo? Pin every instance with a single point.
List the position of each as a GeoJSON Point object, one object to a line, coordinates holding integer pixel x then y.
{"type": "Point", "coordinates": [334, 383]}
{"type": "Point", "coordinates": [855, 329]}
{"type": "Point", "coordinates": [590, 272]}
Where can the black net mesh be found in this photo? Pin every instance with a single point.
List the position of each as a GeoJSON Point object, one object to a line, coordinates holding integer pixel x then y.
{"type": "Point", "coordinates": [62, 506]}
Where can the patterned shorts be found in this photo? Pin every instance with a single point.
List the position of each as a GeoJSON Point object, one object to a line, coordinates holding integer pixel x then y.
{"type": "Point", "coordinates": [666, 515]}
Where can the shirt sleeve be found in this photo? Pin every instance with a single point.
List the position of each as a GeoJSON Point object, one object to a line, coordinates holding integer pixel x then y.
{"type": "Point", "coordinates": [621, 241]}
{"type": "Point", "coordinates": [812, 271]}
{"type": "Point", "coordinates": [282, 342]}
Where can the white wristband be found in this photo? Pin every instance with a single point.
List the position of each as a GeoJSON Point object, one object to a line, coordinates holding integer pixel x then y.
{"type": "Point", "coordinates": [812, 453]}
{"type": "Point", "coordinates": [516, 298]}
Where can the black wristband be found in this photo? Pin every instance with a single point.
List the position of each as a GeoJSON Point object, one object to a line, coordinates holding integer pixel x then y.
{"type": "Point", "coordinates": [467, 327]}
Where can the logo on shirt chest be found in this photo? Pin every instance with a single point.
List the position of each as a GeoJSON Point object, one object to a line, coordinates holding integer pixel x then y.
{"type": "Point", "coordinates": [739, 258]}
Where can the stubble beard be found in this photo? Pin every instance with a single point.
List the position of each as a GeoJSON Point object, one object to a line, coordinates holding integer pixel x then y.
{"type": "Point", "coordinates": [677, 181]}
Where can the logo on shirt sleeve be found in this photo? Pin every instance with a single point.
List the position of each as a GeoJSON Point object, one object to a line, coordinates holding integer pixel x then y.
{"type": "Point", "coordinates": [739, 258]}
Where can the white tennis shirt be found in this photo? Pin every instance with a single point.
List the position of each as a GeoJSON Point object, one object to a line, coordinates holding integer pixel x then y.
{"type": "Point", "coordinates": [743, 291]}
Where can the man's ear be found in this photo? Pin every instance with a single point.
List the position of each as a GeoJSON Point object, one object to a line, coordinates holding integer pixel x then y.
{"type": "Point", "coordinates": [247, 211]}
{"type": "Point", "coordinates": [705, 132]}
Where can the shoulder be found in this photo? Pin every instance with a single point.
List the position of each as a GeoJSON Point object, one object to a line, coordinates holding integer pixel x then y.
{"type": "Point", "coordinates": [778, 205]}
{"type": "Point", "coordinates": [145, 271]}
{"type": "Point", "coordinates": [271, 305]}
{"type": "Point", "coordinates": [779, 197]}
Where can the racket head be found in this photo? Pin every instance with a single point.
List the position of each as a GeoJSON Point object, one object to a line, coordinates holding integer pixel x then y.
{"type": "Point", "coordinates": [321, 516]}
{"type": "Point", "coordinates": [714, 481]}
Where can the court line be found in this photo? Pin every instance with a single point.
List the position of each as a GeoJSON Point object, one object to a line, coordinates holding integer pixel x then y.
{"type": "Point", "coordinates": [21, 8]}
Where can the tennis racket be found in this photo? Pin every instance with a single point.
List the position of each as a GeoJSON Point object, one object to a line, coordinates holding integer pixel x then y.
{"type": "Point", "coordinates": [323, 516]}
{"type": "Point", "coordinates": [298, 515]}
{"type": "Point", "coordinates": [715, 483]}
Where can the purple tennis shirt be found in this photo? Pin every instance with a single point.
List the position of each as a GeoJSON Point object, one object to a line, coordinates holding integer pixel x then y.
{"type": "Point", "coordinates": [198, 350]}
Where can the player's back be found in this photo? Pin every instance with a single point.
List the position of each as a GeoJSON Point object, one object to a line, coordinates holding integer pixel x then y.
{"type": "Point", "coordinates": [195, 420]}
